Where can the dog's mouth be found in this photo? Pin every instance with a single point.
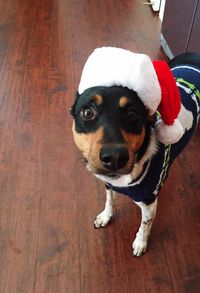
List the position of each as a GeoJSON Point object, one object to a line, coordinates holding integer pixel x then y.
{"type": "Point", "coordinates": [112, 174]}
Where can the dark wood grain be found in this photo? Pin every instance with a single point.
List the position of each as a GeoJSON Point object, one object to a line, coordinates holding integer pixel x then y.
{"type": "Point", "coordinates": [48, 200]}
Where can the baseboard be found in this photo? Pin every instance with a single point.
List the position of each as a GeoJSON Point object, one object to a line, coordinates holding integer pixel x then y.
{"type": "Point", "coordinates": [155, 4]}
{"type": "Point", "coordinates": [165, 47]}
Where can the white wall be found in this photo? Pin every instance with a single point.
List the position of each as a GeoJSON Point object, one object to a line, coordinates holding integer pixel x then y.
{"type": "Point", "coordinates": [162, 8]}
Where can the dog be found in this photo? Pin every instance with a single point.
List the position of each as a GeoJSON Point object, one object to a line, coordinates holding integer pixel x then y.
{"type": "Point", "coordinates": [115, 133]}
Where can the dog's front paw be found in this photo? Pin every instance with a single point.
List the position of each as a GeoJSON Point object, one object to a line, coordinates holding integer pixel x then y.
{"type": "Point", "coordinates": [139, 246]}
{"type": "Point", "coordinates": [102, 219]}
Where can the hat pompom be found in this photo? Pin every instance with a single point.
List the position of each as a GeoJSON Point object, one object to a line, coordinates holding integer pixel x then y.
{"type": "Point", "coordinates": [168, 134]}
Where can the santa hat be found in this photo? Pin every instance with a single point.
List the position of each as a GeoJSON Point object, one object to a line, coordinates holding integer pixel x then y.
{"type": "Point", "coordinates": [152, 81]}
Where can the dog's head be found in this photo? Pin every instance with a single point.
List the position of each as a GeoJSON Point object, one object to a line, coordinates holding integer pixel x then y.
{"type": "Point", "coordinates": [110, 128]}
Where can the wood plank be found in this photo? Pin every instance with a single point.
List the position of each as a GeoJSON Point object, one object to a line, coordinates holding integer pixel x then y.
{"type": "Point", "coordinates": [103, 24]}
{"type": "Point", "coordinates": [58, 247]}
{"type": "Point", "coordinates": [20, 20]}
{"type": "Point", "coordinates": [143, 272]}
{"type": "Point", "coordinates": [20, 212]}
{"type": "Point", "coordinates": [101, 256]}
{"type": "Point", "coordinates": [58, 259]}
{"type": "Point", "coordinates": [190, 285]}
{"type": "Point", "coordinates": [22, 125]}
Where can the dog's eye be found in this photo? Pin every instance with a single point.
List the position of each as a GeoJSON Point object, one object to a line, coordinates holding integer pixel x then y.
{"type": "Point", "coordinates": [88, 113]}
{"type": "Point", "coordinates": [132, 114]}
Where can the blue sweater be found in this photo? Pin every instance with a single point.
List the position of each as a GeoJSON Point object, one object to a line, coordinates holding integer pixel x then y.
{"type": "Point", "coordinates": [156, 169]}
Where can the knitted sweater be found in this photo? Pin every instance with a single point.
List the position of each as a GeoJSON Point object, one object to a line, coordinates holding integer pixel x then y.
{"type": "Point", "coordinates": [155, 172]}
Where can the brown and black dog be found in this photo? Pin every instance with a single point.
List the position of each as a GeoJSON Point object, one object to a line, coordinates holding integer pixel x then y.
{"type": "Point", "coordinates": [113, 130]}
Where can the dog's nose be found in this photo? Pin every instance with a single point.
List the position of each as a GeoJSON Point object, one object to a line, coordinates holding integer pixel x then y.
{"type": "Point", "coordinates": [114, 158]}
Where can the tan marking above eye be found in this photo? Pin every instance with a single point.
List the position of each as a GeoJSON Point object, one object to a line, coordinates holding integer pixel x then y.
{"type": "Point", "coordinates": [123, 102]}
{"type": "Point", "coordinates": [98, 100]}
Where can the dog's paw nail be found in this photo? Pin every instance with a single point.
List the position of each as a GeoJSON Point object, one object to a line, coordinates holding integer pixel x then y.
{"type": "Point", "coordinates": [102, 220]}
{"type": "Point", "coordinates": [139, 247]}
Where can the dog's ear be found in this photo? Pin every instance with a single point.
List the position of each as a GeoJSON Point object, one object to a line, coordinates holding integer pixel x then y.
{"type": "Point", "coordinates": [71, 109]}
{"type": "Point", "coordinates": [77, 95]}
{"type": "Point", "coordinates": [152, 119]}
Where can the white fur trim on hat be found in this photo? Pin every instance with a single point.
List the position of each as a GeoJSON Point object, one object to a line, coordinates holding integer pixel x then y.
{"type": "Point", "coordinates": [109, 66]}
{"type": "Point", "coordinates": [168, 134]}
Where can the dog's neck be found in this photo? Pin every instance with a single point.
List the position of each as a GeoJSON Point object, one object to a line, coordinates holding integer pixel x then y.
{"type": "Point", "coordinates": [125, 180]}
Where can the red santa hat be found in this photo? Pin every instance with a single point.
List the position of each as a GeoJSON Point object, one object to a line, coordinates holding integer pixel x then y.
{"type": "Point", "coordinates": [152, 81]}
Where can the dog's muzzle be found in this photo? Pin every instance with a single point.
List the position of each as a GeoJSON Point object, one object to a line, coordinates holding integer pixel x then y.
{"type": "Point", "coordinates": [114, 158]}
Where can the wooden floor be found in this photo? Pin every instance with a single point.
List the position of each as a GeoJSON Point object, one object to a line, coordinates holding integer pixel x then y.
{"type": "Point", "coordinates": [48, 201]}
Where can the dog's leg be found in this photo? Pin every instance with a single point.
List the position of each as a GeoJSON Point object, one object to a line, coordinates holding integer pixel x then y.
{"type": "Point", "coordinates": [103, 218]}
{"type": "Point", "coordinates": [148, 214]}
